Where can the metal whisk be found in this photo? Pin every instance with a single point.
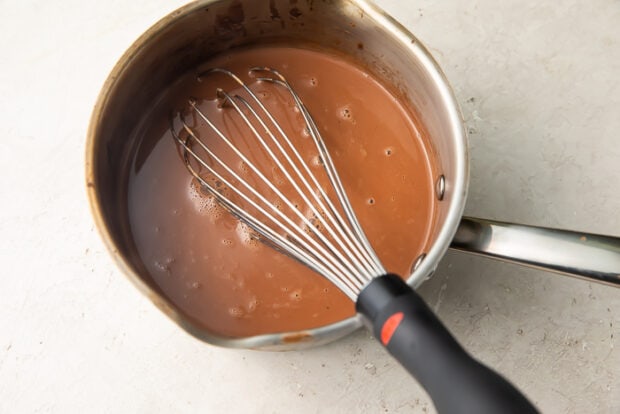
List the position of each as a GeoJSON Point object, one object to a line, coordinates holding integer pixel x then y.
{"type": "Point", "coordinates": [323, 233]}
{"type": "Point", "coordinates": [338, 249]}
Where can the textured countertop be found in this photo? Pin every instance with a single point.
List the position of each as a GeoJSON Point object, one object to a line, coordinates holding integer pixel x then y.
{"type": "Point", "coordinates": [539, 87]}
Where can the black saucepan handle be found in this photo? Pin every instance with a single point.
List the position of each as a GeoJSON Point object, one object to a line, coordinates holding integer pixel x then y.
{"type": "Point", "coordinates": [408, 328]}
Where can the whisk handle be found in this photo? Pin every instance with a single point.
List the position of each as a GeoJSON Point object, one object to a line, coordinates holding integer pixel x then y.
{"type": "Point", "coordinates": [408, 328]}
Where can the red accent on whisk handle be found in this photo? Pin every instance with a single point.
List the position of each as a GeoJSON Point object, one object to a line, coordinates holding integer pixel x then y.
{"type": "Point", "coordinates": [408, 328]}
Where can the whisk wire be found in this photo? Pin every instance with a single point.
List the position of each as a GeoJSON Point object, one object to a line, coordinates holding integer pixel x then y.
{"type": "Point", "coordinates": [370, 262]}
{"type": "Point", "coordinates": [343, 254]}
{"type": "Point", "coordinates": [362, 246]}
{"type": "Point", "coordinates": [315, 258]}
{"type": "Point", "coordinates": [320, 211]}
{"type": "Point", "coordinates": [291, 229]}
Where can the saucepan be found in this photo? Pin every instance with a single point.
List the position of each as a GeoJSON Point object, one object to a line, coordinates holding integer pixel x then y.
{"type": "Point", "coordinates": [192, 34]}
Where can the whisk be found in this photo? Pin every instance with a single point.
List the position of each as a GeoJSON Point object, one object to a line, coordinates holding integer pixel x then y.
{"type": "Point", "coordinates": [322, 232]}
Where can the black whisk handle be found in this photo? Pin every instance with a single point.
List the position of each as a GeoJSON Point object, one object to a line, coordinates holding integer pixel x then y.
{"type": "Point", "coordinates": [408, 328]}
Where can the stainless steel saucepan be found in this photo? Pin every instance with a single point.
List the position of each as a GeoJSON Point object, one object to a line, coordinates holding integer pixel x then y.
{"type": "Point", "coordinates": [192, 34]}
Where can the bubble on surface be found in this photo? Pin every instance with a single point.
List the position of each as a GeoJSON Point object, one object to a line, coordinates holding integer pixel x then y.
{"type": "Point", "coordinates": [313, 224]}
{"type": "Point", "coordinates": [205, 203]}
{"type": "Point", "coordinates": [236, 312]}
{"type": "Point", "coordinates": [345, 113]}
{"type": "Point", "coordinates": [252, 304]}
{"type": "Point", "coordinates": [163, 264]}
{"type": "Point", "coordinates": [160, 266]}
{"type": "Point", "coordinates": [247, 235]}
{"type": "Point", "coordinates": [317, 161]}
{"type": "Point", "coordinates": [277, 204]}
{"type": "Point", "coordinates": [295, 295]}
{"type": "Point", "coordinates": [168, 260]}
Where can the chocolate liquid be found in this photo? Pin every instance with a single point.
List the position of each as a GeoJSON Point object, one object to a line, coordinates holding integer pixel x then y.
{"type": "Point", "coordinates": [205, 261]}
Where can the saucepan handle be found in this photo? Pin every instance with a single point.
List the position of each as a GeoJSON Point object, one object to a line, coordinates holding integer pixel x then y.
{"type": "Point", "coordinates": [408, 328]}
{"type": "Point", "coordinates": [589, 256]}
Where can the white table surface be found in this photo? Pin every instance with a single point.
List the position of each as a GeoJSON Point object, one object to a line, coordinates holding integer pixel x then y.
{"type": "Point", "coordinates": [539, 85]}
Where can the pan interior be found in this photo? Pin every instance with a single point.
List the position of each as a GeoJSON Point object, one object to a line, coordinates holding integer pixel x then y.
{"type": "Point", "coordinates": [202, 30]}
